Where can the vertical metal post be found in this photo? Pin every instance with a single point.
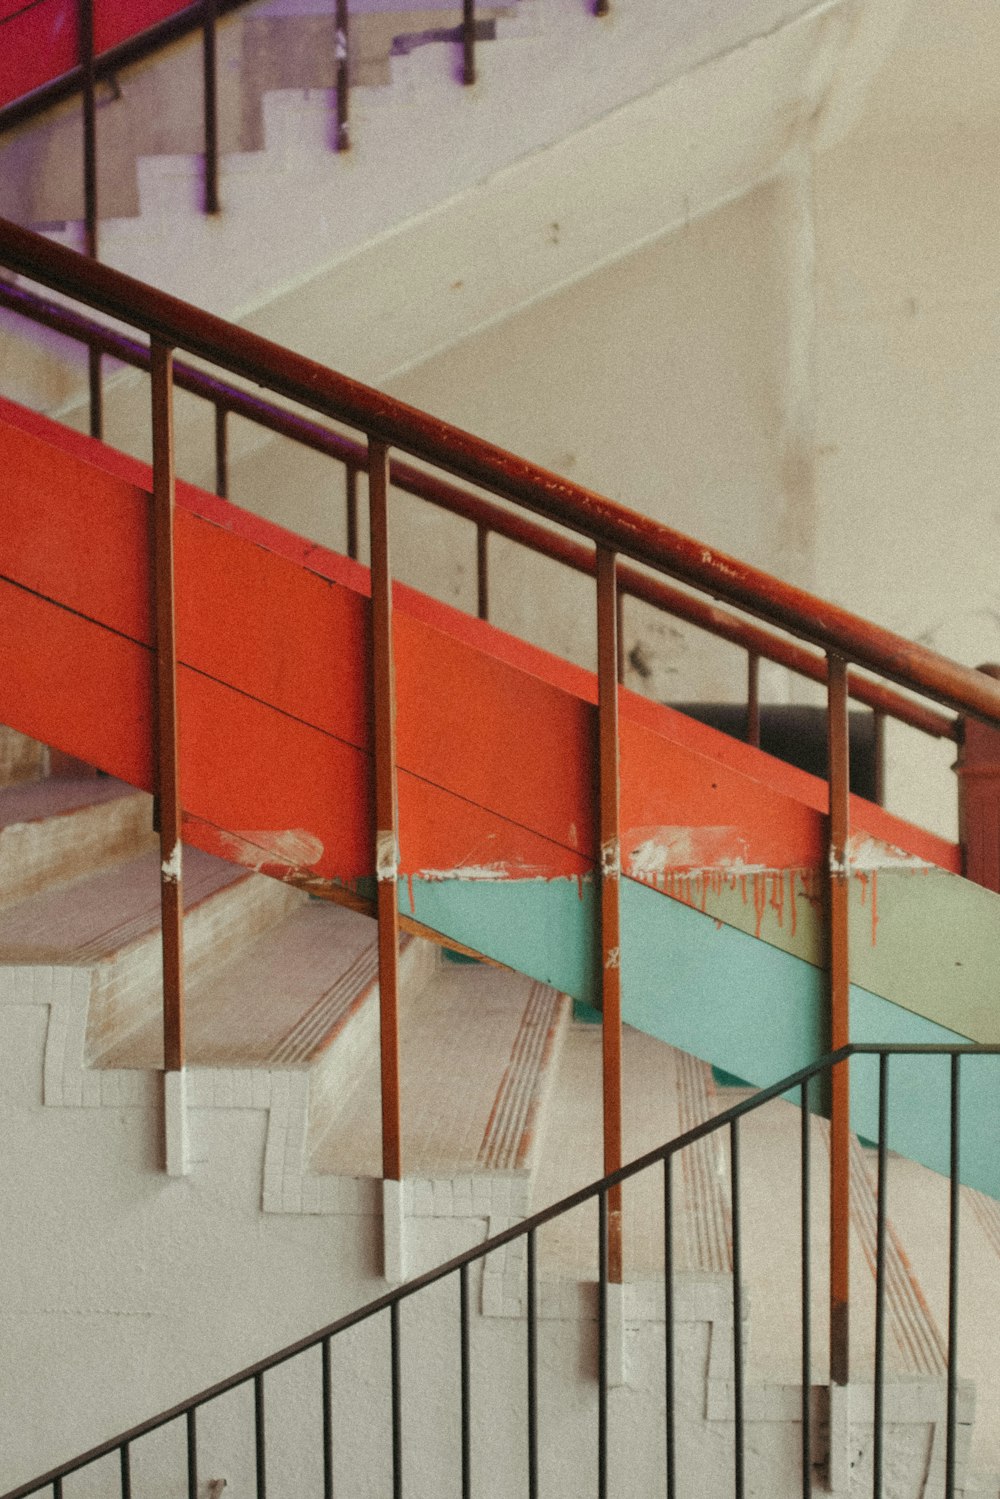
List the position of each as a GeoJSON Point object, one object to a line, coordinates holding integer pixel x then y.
{"type": "Point", "coordinates": [601, 7]}
{"type": "Point", "coordinates": [880, 1222]}
{"type": "Point", "coordinates": [482, 572]}
{"type": "Point", "coordinates": [386, 806]}
{"type": "Point", "coordinates": [192, 1454]}
{"type": "Point", "coordinates": [806, 1209]}
{"type": "Point", "coordinates": [351, 504]}
{"type": "Point", "coordinates": [532, 1367]}
{"type": "Point", "coordinates": [85, 34]}
{"type": "Point", "coordinates": [610, 890]}
{"type": "Point", "coordinates": [125, 1471]}
{"type": "Point", "coordinates": [753, 699]}
{"type": "Point", "coordinates": [951, 1416]}
{"type": "Point", "coordinates": [602, 1344]}
{"type": "Point", "coordinates": [468, 41]}
{"type": "Point", "coordinates": [210, 99]}
{"type": "Point", "coordinates": [620, 626]}
{"type": "Point", "coordinates": [466, 1381]}
{"type": "Point", "coordinates": [668, 1324]}
{"type": "Point", "coordinates": [839, 989]}
{"type": "Point", "coordinates": [739, 1437]}
{"type": "Point", "coordinates": [343, 140]}
{"type": "Point", "coordinates": [327, 1421]}
{"type": "Point", "coordinates": [95, 391]}
{"type": "Point", "coordinates": [167, 758]}
{"type": "Point", "coordinates": [260, 1436]}
{"type": "Point", "coordinates": [221, 451]}
{"type": "Point", "coordinates": [879, 725]}
{"type": "Point", "coordinates": [396, 1376]}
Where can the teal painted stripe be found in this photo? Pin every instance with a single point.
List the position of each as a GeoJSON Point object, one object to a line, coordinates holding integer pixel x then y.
{"type": "Point", "coordinates": [747, 1007]}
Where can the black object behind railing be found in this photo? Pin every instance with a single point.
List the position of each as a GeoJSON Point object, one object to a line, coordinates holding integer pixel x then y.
{"type": "Point", "coordinates": [802, 1087]}
{"type": "Point", "coordinates": [796, 734]}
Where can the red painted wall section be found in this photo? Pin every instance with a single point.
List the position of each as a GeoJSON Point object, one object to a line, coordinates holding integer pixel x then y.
{"type": "Point", "coordinates": [38, 38]}
{"type": "Point", "coordinates": [496, 738]}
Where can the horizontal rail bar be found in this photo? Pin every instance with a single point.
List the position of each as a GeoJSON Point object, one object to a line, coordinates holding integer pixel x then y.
{"type": "Point", "coordinates": [481, 512]}
{"type": "Point", "coordinates": [423, 436]}
{"type": "Point", "coordinates": [489, 1246]}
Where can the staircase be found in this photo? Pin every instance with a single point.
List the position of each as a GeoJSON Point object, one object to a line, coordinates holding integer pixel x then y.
{"type": "Point", "coordinates": [281, 669]}
{"type": "Point", "coordinates": [502, 1103]}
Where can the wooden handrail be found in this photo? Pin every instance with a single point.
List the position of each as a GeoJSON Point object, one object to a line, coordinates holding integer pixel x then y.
{"type": "Point", "coordinates": [482, 512]}
{"type": "Point", "coordinates": [601, 520]}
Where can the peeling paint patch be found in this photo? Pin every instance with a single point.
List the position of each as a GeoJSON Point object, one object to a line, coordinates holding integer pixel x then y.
{"type": "Point", "coordinates": [655, 851]}
{"type": "Point", "coordinates": [497, 871]}
{"type": "Point", "coordinates": [386, 855]}
{"type": "Point", "coordinates": [171, 868]}
{"type": "Point", "coordinates": [865, 852]}
{"type": "Point", "coordinates": [257, 848]}
{"type": "Point", "coordinates": [614, 958]}
{"type": "Point", "coordinates": [611, 861]}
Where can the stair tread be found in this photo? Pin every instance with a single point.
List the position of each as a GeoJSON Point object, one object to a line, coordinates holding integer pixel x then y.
{"type": "Point", "coordinates": [31, 801]}
{"type": "Point", "coordinates": [475, 1046]}
{"type": "Point", "coordinates": [89, 919]}
{"type": "Point", "coordinates": [277, 1003]}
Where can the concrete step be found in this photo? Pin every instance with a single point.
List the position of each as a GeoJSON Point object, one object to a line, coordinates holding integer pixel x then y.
{"type": "Point", "coordinates": [96, 941]}
{"type": "Point", "coordinates": [54, 830]}
{"type": "Point", "coordinates": [479, 1047]}
{"type": "Point", "coordinates": [21, 758]}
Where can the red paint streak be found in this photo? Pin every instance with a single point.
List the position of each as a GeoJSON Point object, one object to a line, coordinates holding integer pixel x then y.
{"type": "Point", "coordinates": [874, 906]}
{"type": "Point", "coordinates": [794, 900]}
{"type": "Point", "coordinates": [759, 899]}
{"type": "Point", "coordinates": [778, 895]}
{"type": "Point", "coordinates": [409, 894]}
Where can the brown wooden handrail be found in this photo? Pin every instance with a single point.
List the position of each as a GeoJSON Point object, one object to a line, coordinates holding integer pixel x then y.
{"type": "Point", "coordinates": [480, 511]}
{"type": "Point", "coordinates": [601, 520]}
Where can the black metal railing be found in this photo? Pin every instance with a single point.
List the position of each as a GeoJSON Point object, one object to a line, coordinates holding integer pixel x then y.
{"type": "Point", "coordinates": [803, 1087]}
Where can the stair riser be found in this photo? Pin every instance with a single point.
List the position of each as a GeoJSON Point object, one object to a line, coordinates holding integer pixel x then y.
{"type": "Point", "coordinates": [128, 990]}
{"type": "Point", "coordinates": [21, 758]}
{"type": "Point", "coordinates": [34, 855]}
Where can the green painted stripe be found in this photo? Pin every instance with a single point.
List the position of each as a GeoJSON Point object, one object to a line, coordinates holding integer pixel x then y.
{"type": "Point", "coordinates": [741, 1004]}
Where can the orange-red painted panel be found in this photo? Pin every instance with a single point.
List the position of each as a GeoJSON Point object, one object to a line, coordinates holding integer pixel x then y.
{"type": "Point", "coordinates": [496, 739]}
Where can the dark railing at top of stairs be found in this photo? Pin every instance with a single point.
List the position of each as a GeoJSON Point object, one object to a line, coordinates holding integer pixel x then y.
{"type": "Point", "coordinates": [107, 40]}
{"type": "Point", "coordinates": [615, 534]}
{"type": "Point", "coordinates": [802, 1087]}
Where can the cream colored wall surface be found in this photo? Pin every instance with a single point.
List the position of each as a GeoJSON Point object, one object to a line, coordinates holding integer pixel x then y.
{"type": "Point", "coordinates": [908, 353]}
{"type": "Point", "coordinates": [672, 382]}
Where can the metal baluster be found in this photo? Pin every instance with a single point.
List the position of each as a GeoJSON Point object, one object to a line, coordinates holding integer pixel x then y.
{"type": "Point", "coordinates": [210, 100]}
{"type": "Point", "coordinates": [953, 1226]}
{"type": "Point", "coordinates": [532, 1368]}
{"type": "Point", "coordinates": [880, 727]}
{"type": "Point", "coordinates": [601, 7]}
{"type": "Point", "coordinates": [342, 54]}
{"type": "Point", "coordinates": [351, 505]}
{"type": "Point", "coordinates": [620, 633]}
{"type": "Point", "coordinates": [668, 1322]}
{"type": "Point", "coordinates": [482, 572]}
{"type": "Point", "coordinates": [466, 1376]}
{"type": "Point", "coordinates": [327, 1420]}
{"type": "Point", "coordinates": [386, 806]}
{"type": "Point", "coordinates": [805, 1200]}
{"type": "Point", "coordinates": [738, 1432]}
{"type": "Point", "coordinates": [221, 451]}
{"type": "Point", "coordinates": [260, 1435]}
{"type": "Point", "coordinates": [95, 391]}
{"type": "Point", "coordinates": [883, 1187]}
{"type": "Point", "coordinates": [468, 41]}
{"type": "Point", "coordinates": [397, 1402]}
{"type": "Point", "coordinates": [610, 890]}
{"type": "Point", "coordinates": [753, 698]}
{"type": "Point", "coordinates": [602, 1345]}
{"type": "Point", "coordinates": [125, 1470]}
{"type": "Point", "coordinates": [167, 758]}
{"type": "Point", "coordinates": [85, 25]}
{"type": "Point", "coordinates": [192, 1454]}
{"type": "Point", "coordinates": [839, 989]}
